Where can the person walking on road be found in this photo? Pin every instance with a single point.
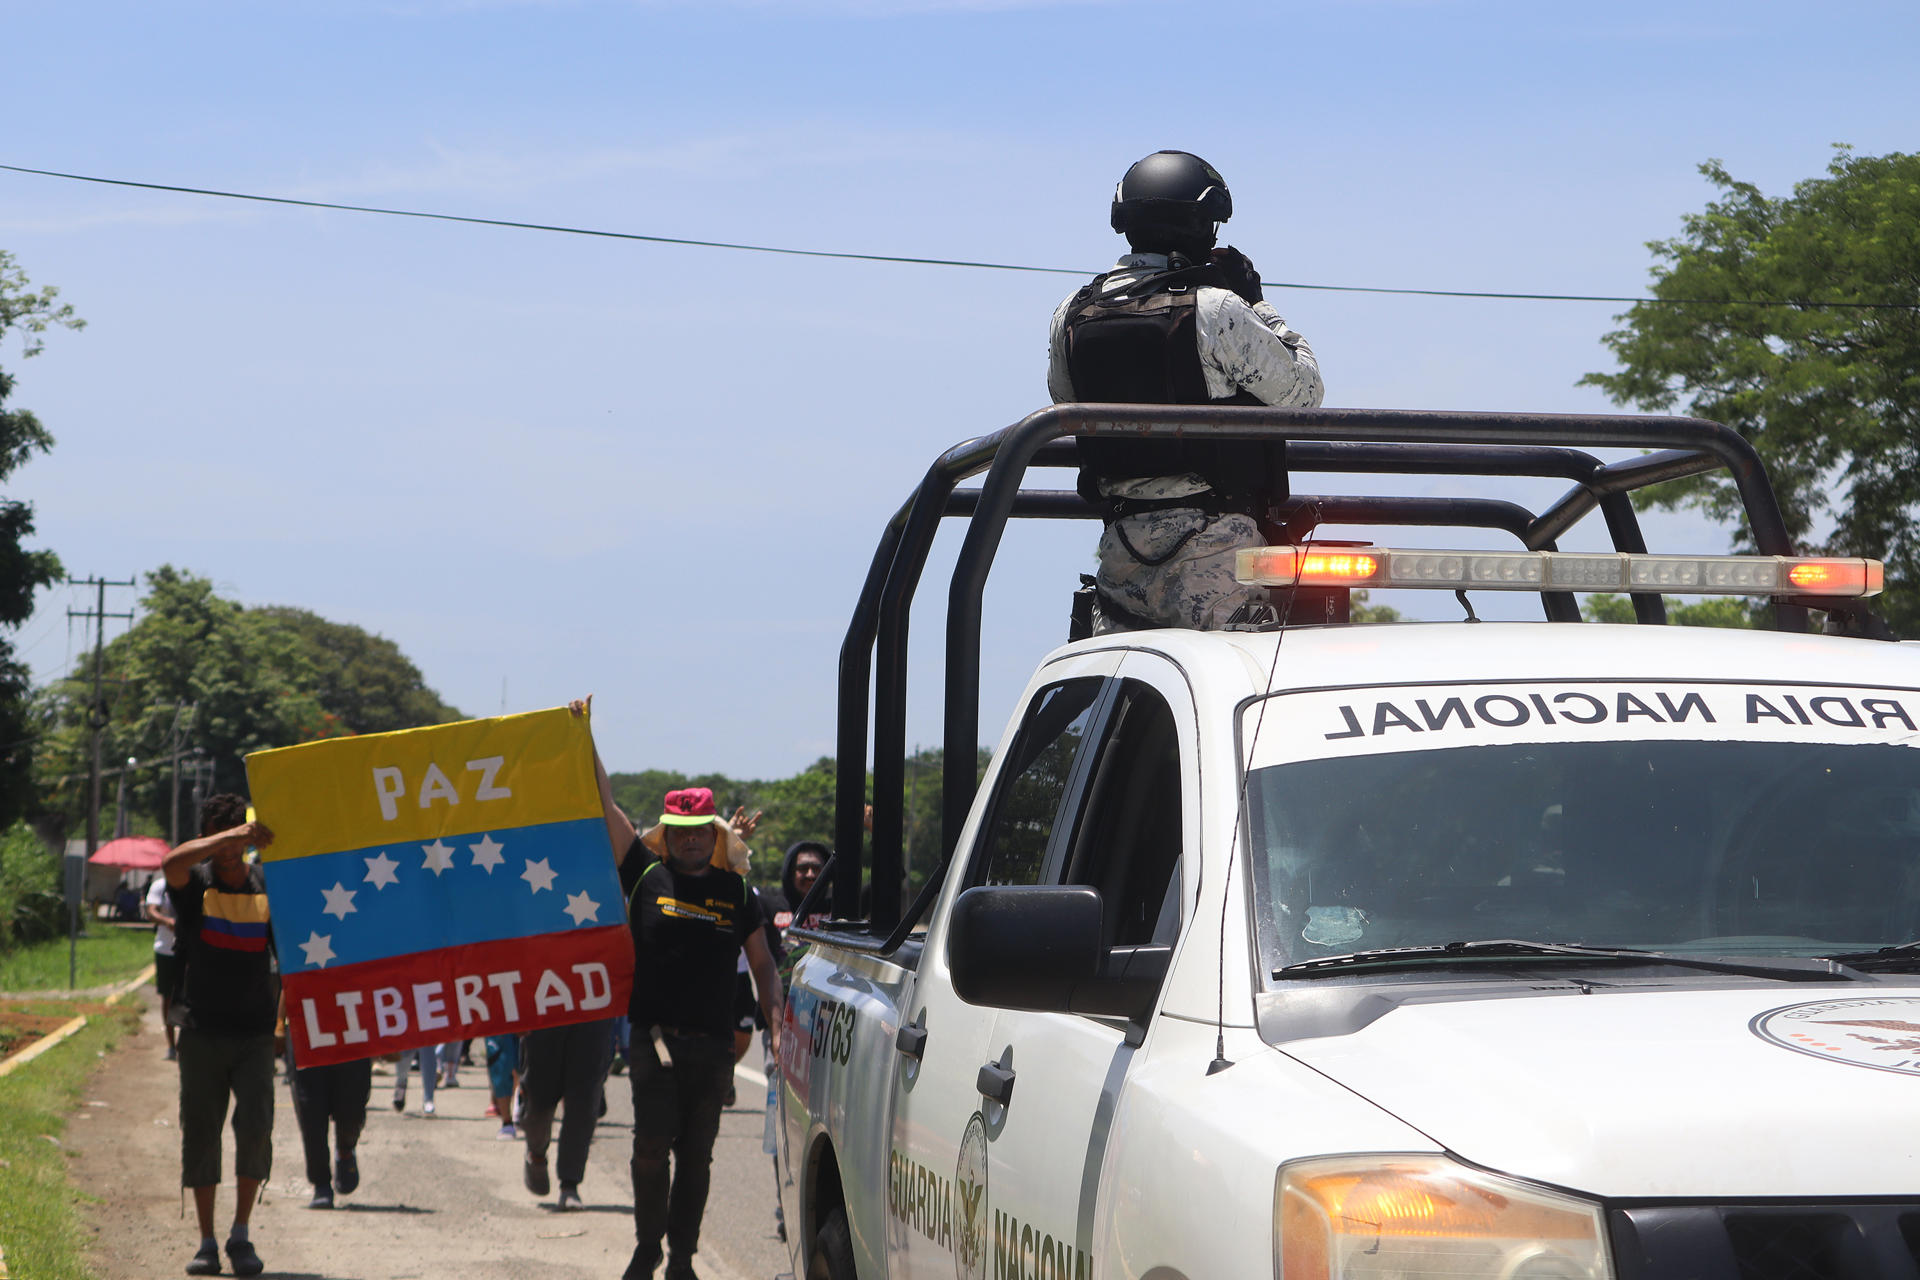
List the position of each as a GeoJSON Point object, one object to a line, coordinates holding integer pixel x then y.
{"type": "Point", "coordinates": [565, 1067]}
{"type": "Point", "coordinates": [166, 965]}
{"type": "Point", "coordinates": [503, 1077]}
{"type": "Point", "coordinates": [428, 1056]}
{"type": "Point", "coordinates": [336, 1093]}
{"type": "Point", "coordinates": [227, 1012]}
{"type": "Point", "coordinates": [689, 918]}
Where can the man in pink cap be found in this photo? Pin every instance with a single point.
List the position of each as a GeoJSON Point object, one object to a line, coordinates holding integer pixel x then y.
{"type": "Point", "coordinates": [691, 912]}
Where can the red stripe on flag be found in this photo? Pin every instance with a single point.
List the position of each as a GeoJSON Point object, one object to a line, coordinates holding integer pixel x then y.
{"type": "Point", "coordinates": [432, 997]}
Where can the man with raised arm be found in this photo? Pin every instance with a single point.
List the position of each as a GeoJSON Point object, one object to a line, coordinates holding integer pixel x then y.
{"type": "Point", "coordinates": [227, 1009]}
{"type": "Point", "coordinates": [691, 912]}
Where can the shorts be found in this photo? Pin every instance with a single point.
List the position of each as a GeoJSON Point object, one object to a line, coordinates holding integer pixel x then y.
{"type": "Point", "coordinates": [166, 974]}
{"type": "Point", "coordinates": [503, 1063]}
{"type": "Point", "coordinates": [213, 1070]}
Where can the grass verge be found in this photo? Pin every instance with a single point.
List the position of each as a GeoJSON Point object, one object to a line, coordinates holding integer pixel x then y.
{"type": "Point", "coordinates": [38, 1217]}
{"type": "Point", "coordinates": [105, 955]}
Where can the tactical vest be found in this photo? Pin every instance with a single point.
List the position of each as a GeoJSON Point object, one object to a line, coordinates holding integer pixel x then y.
{"type": "Point", "coordinates": [1140, 344]}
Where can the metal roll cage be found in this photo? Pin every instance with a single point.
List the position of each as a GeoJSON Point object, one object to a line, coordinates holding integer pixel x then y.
{"type": "Point", "coordinates": [1376, 441]}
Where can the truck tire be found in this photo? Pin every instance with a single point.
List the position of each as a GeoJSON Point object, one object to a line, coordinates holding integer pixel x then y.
{"type": "Point", "coordinates": [832, 1255]}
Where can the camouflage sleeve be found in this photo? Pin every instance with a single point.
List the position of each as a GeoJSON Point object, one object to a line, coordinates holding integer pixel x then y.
{"type": "Point", "coordinates": [1251, 348]}
{"type": "Point", "coordinates": [1059, 384]}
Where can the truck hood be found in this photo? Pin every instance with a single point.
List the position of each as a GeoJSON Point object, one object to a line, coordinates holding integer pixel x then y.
{"type": "Point", "coordinates": [1782, 1090]}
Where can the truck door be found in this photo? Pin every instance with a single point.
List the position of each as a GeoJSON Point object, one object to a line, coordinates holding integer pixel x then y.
{"type": "Point", "coordinates": [936, 1177]}
{"type": "Point", "coordinates": [1124, 833]}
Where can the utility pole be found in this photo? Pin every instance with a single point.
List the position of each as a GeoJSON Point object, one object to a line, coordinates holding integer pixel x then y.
{"type": "Point", "coordinates": [176, 743]}
{"type": "Point", "coordinates": [96, 721]}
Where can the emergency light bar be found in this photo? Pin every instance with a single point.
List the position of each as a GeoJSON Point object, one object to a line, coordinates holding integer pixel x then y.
{"type": "Point", "coordinates": [1559, 571]}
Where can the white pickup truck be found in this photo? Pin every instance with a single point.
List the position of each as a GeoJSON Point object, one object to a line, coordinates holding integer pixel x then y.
{"type": "Point", "coordinates": [1516, 951]}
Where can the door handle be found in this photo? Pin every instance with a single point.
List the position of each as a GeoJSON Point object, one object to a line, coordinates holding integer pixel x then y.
{"type": "Point", "coordinates": [996, 1081]}
{"type": "Point", "coordinates": [912, 1038]}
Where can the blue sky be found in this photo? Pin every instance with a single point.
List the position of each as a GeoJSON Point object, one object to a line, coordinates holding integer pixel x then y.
{"type": "Point", "coordinates": [547, 465]}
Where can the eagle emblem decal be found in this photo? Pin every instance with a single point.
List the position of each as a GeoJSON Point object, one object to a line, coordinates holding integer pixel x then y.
{"type": "Point", "coordinates": [1880, 1032]}
{"type": "Point", "coordinates": [970, 1190]}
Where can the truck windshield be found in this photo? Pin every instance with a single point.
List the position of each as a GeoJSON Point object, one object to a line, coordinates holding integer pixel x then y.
{"type": "Point", "coordinates": [1711, 847]}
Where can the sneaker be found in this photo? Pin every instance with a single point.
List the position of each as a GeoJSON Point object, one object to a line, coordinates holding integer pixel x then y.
{"type": "Point", "coordinates": [346, 1172]}
{"type": "Point", "coordinates": [322, 1197]}
{"type": "Point", "coordinates": [244, 1260]}
{"type": "Point", "coordinates": [535, 1176]}
{"type": "Point", "coordinates": [569, 1197]}
{"type": "Point", "coordinates": [206, 1262]}
{"type": "Point", "coordinates": [451, 1082]}
{"type": "Point", "coordinates": [427, 1106]}
{"type": "Point", "coordinates": [493, 1109]}
{"type": "Point", "coordinates": [507, 1134]}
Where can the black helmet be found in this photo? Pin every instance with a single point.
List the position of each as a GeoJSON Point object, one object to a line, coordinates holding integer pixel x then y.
{"type": "Point", "coordinates": [1171, 196]}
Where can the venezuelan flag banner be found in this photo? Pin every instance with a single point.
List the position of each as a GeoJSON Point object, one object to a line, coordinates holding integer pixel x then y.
{"type": "Point", "coordinates": [436, 884]}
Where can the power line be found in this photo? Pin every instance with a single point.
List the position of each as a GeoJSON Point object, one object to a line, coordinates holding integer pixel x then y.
{"type": "Point", "coordinates": [1803, 303]}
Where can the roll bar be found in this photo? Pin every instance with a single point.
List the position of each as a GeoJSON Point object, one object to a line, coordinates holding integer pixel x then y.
{"type": "Point", "coordinates": [1366, 441]}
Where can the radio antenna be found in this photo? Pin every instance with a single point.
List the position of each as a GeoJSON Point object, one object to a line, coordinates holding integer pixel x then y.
{"type": "Point", "coordinates": [1220, 1061]}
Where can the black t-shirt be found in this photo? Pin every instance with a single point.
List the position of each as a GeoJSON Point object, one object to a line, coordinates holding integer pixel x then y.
{"type": "Point", "coordinates": [687, 933]}
{"type": "Point", "coordinates": [230, 987]}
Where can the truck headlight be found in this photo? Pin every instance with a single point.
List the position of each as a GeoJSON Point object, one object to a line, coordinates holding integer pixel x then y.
{"type": "Point", "coordinates": [1407, 1217]}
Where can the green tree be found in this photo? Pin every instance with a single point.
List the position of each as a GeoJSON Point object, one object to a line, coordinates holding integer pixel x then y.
{"type": "Point", "coordinates": [361, 679]}
{"type": "Point", "coordinates": [253, 679]}
{"type": "Point", "coordinates": [29, 313]}
{"type": "Point", "coordinates": [1361, 611]}
{"type": "Point", "coordinates": [1829, 396]}
{"type": "Point", "coordinates": [1718, 611]}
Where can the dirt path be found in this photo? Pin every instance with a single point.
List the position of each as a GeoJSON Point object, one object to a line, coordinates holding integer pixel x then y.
{"type": "Point", "coordinates": [440, 1196]}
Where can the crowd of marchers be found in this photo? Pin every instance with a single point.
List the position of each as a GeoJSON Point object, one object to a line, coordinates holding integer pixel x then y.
{"type": "Point", "coordinates": [708, 950]}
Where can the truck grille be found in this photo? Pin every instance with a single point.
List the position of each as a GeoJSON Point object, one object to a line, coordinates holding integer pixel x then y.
{"type": "Point", "coordinates": [1869, 1241]}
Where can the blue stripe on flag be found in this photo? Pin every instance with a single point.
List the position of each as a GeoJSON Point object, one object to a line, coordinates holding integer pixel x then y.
{"type": "Point", "coordinates": [368, 904]}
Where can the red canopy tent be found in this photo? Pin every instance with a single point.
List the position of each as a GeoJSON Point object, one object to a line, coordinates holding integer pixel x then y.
{"type": "Point", "coordinates": [139, 853]}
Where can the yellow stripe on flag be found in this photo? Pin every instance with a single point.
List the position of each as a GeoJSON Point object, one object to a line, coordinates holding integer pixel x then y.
{"type": "Point", "coordinates": [420, 784]}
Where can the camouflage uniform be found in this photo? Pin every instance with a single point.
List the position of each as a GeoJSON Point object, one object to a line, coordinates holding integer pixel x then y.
{"type": "Point", "coordinates": [1242, 348]}
{"type": "Point", "coordinates": [1173, 568]}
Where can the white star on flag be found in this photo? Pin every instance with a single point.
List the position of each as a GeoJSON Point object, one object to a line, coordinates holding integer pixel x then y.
{"type": "Point", "coordinates": [439, 857]}
{"type": "Point", "coordinates": [539, 875]}
{"type": "Point", "coordinates": [319, 949]}
{"type": "Point", "coordinates": [582, 908]}
{"type": "Point", "coordinates": [380, 870]}
{"type": "Point", "coordinates": [486, 854]}
{"type": "Point", "coordinates": [339, 901]}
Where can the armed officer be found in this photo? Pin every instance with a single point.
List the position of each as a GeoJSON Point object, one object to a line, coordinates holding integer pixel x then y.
{"type": "Point", "coordinates": [1177, 321]}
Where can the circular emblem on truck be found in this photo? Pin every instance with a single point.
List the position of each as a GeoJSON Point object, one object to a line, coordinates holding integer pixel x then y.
{"type": "Point", "coordinates": [1879, 1032]}
{"type": "Point", "coordinates": [970, 1189]}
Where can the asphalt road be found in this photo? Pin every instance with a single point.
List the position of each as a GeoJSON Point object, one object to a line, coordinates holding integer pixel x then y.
{"type": "Point", "coordinates": [439, 1196]}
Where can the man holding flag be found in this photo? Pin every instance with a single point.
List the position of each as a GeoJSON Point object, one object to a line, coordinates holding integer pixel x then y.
{"type": "Point", "coordinates": [690, 914]}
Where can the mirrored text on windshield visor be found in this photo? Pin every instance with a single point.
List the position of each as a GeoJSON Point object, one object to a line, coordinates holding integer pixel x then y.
{"type": "Point", "coordinates": [1724, 819]}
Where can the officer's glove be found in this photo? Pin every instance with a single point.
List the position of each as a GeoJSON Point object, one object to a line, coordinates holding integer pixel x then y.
{"type": "Point", "coordinates": [1238, 273]}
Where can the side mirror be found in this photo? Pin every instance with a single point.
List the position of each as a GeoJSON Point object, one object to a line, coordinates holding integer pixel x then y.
{"type": "Point", "coordinates": [1024, 946]}
{"type": "Point", "coordinates": [1038, 947]}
